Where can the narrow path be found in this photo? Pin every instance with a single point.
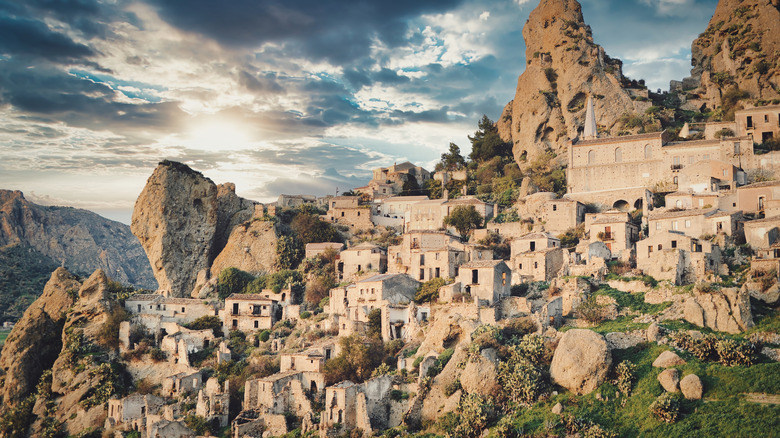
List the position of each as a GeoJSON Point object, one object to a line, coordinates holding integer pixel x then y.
{"type": "Point", "coordinates": [758, 397]}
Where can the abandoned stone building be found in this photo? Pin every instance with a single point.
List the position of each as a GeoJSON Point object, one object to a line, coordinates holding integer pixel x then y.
{"type": "Point", "coordinates": [677, 257]}
{"type": "Point", "coordinates": [184, 341]}
{"type": "Point", "coordinates": [388, 181]}
{"type": "Point", "coordinates": [402, 321]}
{"type": "Point", "coordinates": [425, 255]}
{"type": "Point", "coordinates": [315, 249]}
{"type": "Point", "coordinates": [365, 406]}
{"type": "Point", "coordinates": [754, 198]}
{"type": "Point", "coordinates": [347, 210]}
{"type": "Point", "coordinates": [250, 312]}
{"type": "Point", "coordinates": [182, 383]}
{"type": "Point", "coordinates": [394, 211]}
{"type": "Point", "coordinates": [179, 310]}
{"type": "Point", "coordinates": [615, 229]}
{"type": "Point", "coordinates": [269, 398]}
{"type": "Point", "coordinates": [429, 215]}
{"type": "Point", "coordinates": [762, 233]}
{"type": "Point", "coordinates": [359, 259]}
{"type": "Point", "coordinates": [761, 123]}
{"type": "Point", "coordinates": [536, 257]}
{"type": "Point", "coordinates": [485, 281]}
{"type": "Point", "coordinates": [130, 413]}
{"type": "Point", "coordinates": [694, 222]}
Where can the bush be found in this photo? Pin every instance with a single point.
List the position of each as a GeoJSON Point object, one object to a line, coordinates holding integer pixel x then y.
{"type": "Point", "coordinates": [452, 387]}
{"type": "Point", "coordinates": [289, 252]}
{"type": "Point", "coordinates": [626, 374]}
{"type": "Point", "coordinates": [733, 352]}
{"type": "Point", "coordinates": [474, 415]}
{"type": "Point", "coordinates": [359, 356]}
{"type": "Point", "coordinates": [157, 355]}
{"type": "Point", "coordinates": [232, 281]}
{"type": "Point", "coordinates": [207, 322]}
{"type": "Point", "coordinates": [305, 314]}
{"type": "Point", "coordinates": [429, 291]}
{"type": "Point", "coordinates": [521, 376]}
{"type": "Point", "coordinates": [591, 311]}
{"type": "Point", "coordinates": [666, 407]}
{"type": "Point", "coordinates": [108, 336]}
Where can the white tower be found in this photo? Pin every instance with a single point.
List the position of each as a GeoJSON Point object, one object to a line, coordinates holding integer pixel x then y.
{"type": "Point", "coordinates": [590, 131]}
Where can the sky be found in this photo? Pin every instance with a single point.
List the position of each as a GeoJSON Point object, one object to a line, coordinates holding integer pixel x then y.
{"type": "Point", "coordinates": [276, 96]}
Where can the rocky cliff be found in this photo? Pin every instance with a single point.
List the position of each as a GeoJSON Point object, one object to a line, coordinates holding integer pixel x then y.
{"type": "Point", "coordinates": [564, 67]}
{"type": "Point", "coordinates": [183, 221]}
{"type": "Point", "coordinates": [80, 240]}
{"type": "Point", "coordinates": [740, 47]}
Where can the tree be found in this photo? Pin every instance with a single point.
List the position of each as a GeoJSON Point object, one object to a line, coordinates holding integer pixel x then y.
{"type": "Point", "coordinates": [429, 291]}
{"type": "Point", "coordinates": [289, 252]}
{"type": "Point", "coordinates": [232, 281]}
{"type": "Point", "coordinates": [453, 160]}
{"type": "Point", "coordinates": [410, 187]}
{"type": "Point", "coordinates": [359, 356]}
{"type": "Point", "coordinates": [464, 219]}
{"type": "Point", "coordinates": [486, 143]}
{"type": "Point", "coordinates": [311, 229]}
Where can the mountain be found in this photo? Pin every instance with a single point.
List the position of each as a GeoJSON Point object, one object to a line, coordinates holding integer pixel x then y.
{"type": "Point", "coordinates": [564, 68]}
{"type": "Point", "coordinates": [37, 238]}
{"type": "Point", "coordinates": [739, 49]}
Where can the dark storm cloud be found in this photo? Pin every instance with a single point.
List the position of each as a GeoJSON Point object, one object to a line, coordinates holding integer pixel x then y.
{"type": "Point", "coordinates": [338, 31]}
{"type": "Point", "coordinates": [318, 156]}
{"type": "Point", "coordinates": [311, 184]}
{"type": "Point", "coordinates": [27, 37]}
{"type": "Point", "coordinates": [264, 83]}
{"type": "Point", "coordinates": [53, 95]}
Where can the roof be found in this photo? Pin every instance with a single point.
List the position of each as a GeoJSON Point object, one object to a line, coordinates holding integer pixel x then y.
{"type": "Point", "coordinates": [279, 376]}
{"type": "Point", "coordinates": [679, 213]}
{"type": "Point", "coordinates": [405, 198]}
{"type": "Point", "coordinates": [538, 235]}
{"type": "Point", "coordinates": [406, 165]}
{"type": "Point", "coordinates": [760, 184]}
{"type": "Point", "coordinates": [764, 220]}
{"type": "Point", "coordinates": [324, 245]}
{"type": "Point", "coordinates": [482, 264]}
{"type": "Point", "coordinates": [759, 108]}
{"type": "Point", "coordinates": [144, 297]}
{"type": "Point", "coordinates": [248, 297]}
{"type": "Point", "coordinates": [183, 301]}
{"type": "Point", "coordinates": [608, 220]}
{"type": "Point", "coordinates": [466, 201]}
{"type": "Point", "coordinates": [363, 245]}
{"type": "Point", "coordinates": [621, 139]}
{"type": "Point", "coordinates": [379, 277]}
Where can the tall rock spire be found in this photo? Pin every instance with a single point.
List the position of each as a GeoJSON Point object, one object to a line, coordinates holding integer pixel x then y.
{"type": "Point", "coordinates": [590, 121]}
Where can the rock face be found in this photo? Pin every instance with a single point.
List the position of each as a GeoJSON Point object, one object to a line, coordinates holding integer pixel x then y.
{"type": "Point", "coordinates": [251, 247]}
{"type": "Point", "coordinates": [36, 340]}
{"type": "Point", "coordinates": [175, 218]}
{"type": "Point", "coordinates": [741, 46]}
{"type": "Point", "coordinates": [726, 310]}
{"type": "Point", "coordinates": [481, 374]}
{"type": "Point", "coordinates": [670, 379]}
{"type": "Point", "coordinates": [691, 387]}
{"type": "Point", "coordinates": [80, 240]}
{"type": "Point", "coordinates": [668, 359]}
{"type": "Point", "coordinates": [581, 361]}
{"type": "Point", "coordinates": [564, 67]}
{"type": "Point", "coordinates": [183, 221]}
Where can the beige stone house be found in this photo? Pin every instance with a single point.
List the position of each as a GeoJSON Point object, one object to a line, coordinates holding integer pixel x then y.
{"type": "Point", "coordinates": [762, 233]}
{"type": "Point", "coordinates": [536, 257]}
{"type": "Point", "coordinates": [559, 215]}
{"type": "Point", "coordinates": [710, 176]}
{"type": "Point", "coordinates": [361, 258]}
{"type": "Point", "coordinates": [689, 200]}
{"type": "Point", "coordinates": [762, 123]}
{"type": "Point", "coordinates": [394, 211]}
{"type": "Point", "coordinates": [534, 242]}
{"type": "Point", "coordinates": [616, 230]}
{"type": "Point", "coordinates": [486, 281]}
{"type": "Point", "coordinates": [178, 310]}
{"type": "Point", "coordinates": [214, 401]}
{"type": "Point", "coordinates": [753, 198]}
{"type": "Point", "coordinates": [388, 181]}
{"type": "Point", "coordinates": [359, 406]}
{"type": "Point", "coordinates": [182, 383]}
{"type": "Point", "coordinates": [186, 341]}
{"type": "Point", "coordinates": [677, 257]}
{"type": "Point", "coordinates": [315, 249]}
{"type": "Point", "coordinates": [767, 260]}
{"type": "Point", "coordinates": [129, 413]}
{"type": "Point", "coordinates": [347, 210]}
{"type": "Point", "coordinates": [425, 255]}
{"type": "Point", "coordinates": [402, 321]}
{"type": "Point", "coordinates": [429, 215]}
{"type": "Point", "coordinates": [310, 361]}
{"type": "Point", "coordinates": [249, 312]}
{"type": "Point", "coordinates": [695, 222]}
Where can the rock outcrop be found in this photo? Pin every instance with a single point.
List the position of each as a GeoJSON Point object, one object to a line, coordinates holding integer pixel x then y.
{"type": "Point", "coordinates": [740, 47]}
{"type": "Point", "coordinates": [175, 218]}
{"type": "Point", "coordinates": [184, 221]}
{"type": "Point", "coordinates": [726, 310]}
{"type": "Point", "coordinates": [668, 359]}
{"type": "Point", "coordinates": [581, 361]}
{"type": "Point", "coordinates": [481, 374]}
{"type": "Point", "coordinates": [80, 240]}
{"type": "Point", "coordinates": [36, 340]}
{"type": "Point", "coordinates": [564, 67]}
{"type": "Point", "coordinates": [251, 247]}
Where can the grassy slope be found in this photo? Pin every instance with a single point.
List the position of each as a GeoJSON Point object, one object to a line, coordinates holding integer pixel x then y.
{"type": "Point", "coordinates": [23, 273]}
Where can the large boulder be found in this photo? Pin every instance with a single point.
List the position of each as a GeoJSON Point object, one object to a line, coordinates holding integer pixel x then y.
{"type": "Point", "coordinates": [670, 379]}
{"type": "Point", "coordinates": [725, 310]}
{"type": "Point", "coordinates": [36, 340]}
{"type": "Point", "coordinates": [691, 387]}
{"type": "Point", "coordinates": [581, 361]}
{"type": "Point", "coordinates": [175, 218]}
{"type": "Point", "coordinates": [481, 374]}
{"type": "Point", "coordinates": [668, 359]}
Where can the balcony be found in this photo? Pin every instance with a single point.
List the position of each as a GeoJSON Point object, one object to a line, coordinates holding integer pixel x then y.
{"type": "Point", "coordinates": [677, 166]}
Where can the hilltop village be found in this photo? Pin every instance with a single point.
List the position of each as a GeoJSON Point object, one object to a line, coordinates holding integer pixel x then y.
{"type": "Point", "coordinates": [609, 277]}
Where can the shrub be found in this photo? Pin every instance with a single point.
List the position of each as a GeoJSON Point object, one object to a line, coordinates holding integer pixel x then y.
{"type": "Point", "coordinates": [289, 252]}
{"type": "Point", "coordinates": [666, 407]}
{"type": "Point", "coordinates": [626, 374]}
{"type": "Point", "coordinates": [452, 387]}
{"type": "Point", "coordinates": [591, 311]}
{"type": "Point", "coordinates": [264, 335]}
{"type": "Point", "coordinates": [429, 291]}
{"type": "Point", "coordinates": [474, 414]}
{"type": "Point", "coordinates": [381, 370]}
{"type": "Point", "coordinates": [733, 352]}
{"type": "Point", "coordinates": [157, 355]}
{"type": "Point", "coordinates": [305, 314]}
{"type": "Point", "coordinates": [108, 336]}
{"type": "Point", "coordinates": [207, 322]}
{"type": "Point", "coordinates": [359, 356]}
{"type": "Point", "coordinates": [232, 281]}
{"type": "Point", "coordinates": [521, 375]}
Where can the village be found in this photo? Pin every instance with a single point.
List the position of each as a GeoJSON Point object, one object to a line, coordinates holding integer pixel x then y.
{"type": "Point", "coordinates": [709, 202]}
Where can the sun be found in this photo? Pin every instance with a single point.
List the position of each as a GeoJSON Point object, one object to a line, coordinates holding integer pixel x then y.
{"type": "Point", "coordinates": [218, 135]}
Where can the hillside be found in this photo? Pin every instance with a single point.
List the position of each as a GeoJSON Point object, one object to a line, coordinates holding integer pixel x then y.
{"type": "Point", "coordinates": [35, 239]}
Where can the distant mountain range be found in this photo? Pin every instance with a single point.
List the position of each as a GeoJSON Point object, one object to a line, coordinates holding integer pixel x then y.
{"type": "Point", "coordinates": [35, 239]}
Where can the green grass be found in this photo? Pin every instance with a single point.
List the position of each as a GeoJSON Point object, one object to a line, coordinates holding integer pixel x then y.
{"type": "Point", "coordinates": [633, 301]}
{"type": "Point", "coordinates": [725, 414]}
{"type": "Point", "coordinates": [621, 324]}
{"type": "Point", "coordinates": [3, 335]}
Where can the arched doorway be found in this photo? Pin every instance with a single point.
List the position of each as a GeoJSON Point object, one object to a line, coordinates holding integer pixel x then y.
{"type": "Point", "coordinates": [638, 204]}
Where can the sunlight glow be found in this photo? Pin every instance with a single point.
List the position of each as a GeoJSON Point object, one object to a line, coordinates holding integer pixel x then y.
{"type": "Point", "coordinates": [218, 135]}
